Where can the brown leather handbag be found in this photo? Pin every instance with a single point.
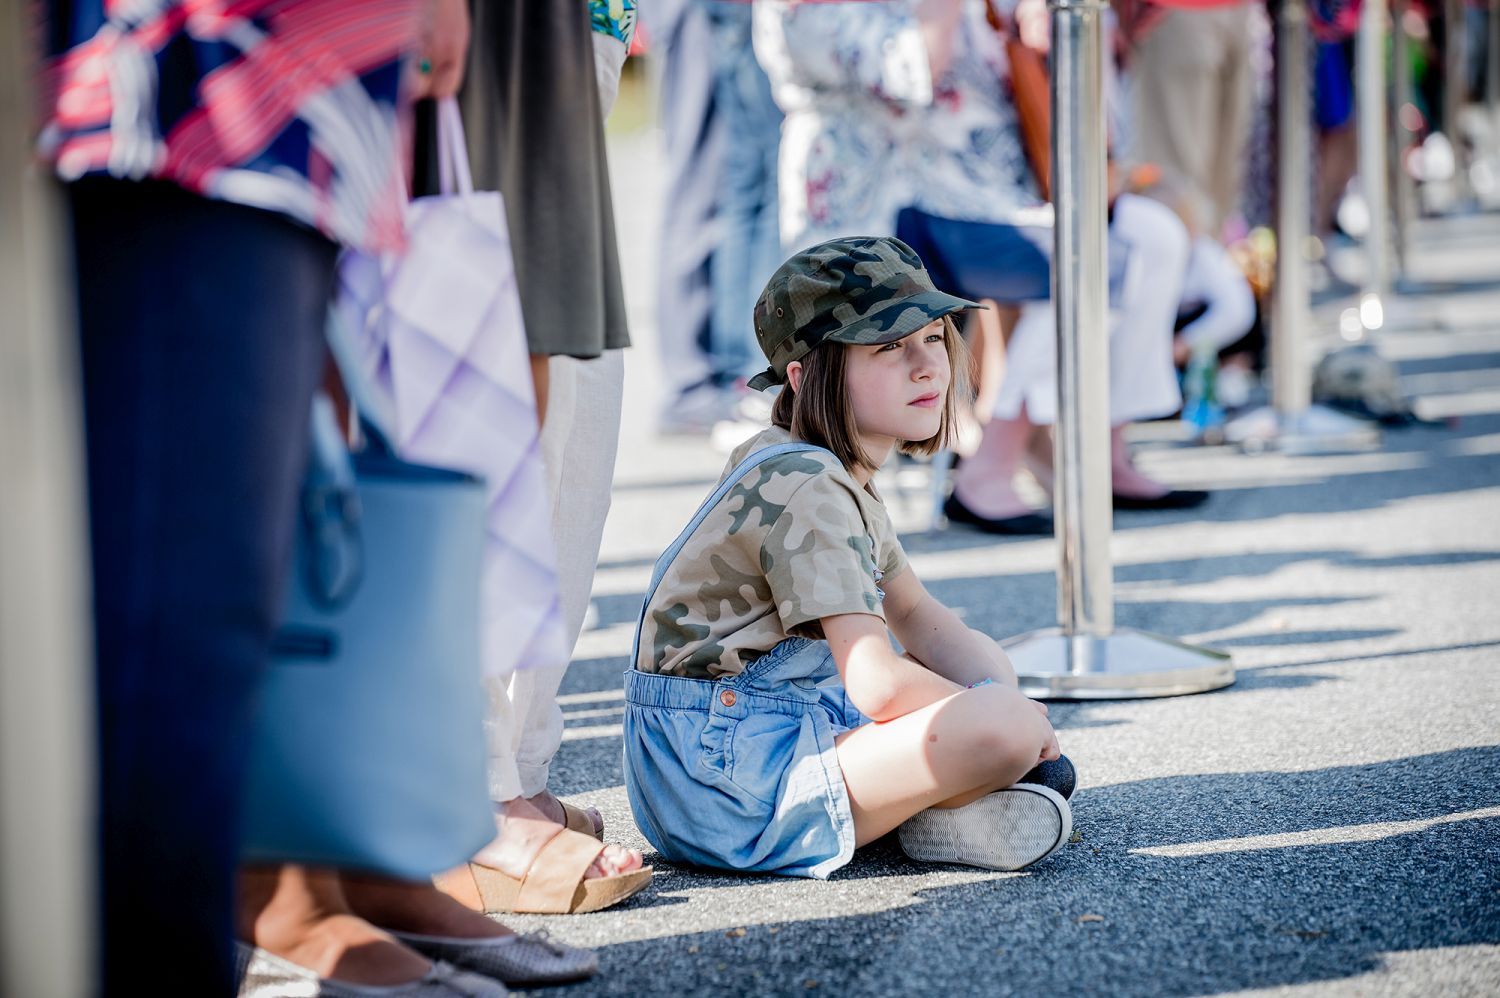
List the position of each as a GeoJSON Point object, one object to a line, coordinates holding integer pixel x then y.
{"type": "Point", "coordinates": [1031, 91]}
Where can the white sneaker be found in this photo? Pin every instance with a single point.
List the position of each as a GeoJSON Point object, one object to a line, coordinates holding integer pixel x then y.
{"type": "Point", "coordinates": [1006, 830]}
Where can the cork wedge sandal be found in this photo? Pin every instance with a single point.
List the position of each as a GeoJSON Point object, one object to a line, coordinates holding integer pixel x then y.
{"type": "Point", "coordinates": [555, 884]}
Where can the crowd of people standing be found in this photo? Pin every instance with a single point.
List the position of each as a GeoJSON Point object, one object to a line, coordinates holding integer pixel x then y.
{"type": "Point", "coordinates": [217, 157]}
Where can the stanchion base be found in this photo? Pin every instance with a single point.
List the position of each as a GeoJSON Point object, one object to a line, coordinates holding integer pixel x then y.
{"type": "Point", "coordinates": [1052, 665]}
{"type": "Point", "coordinates": [1316, 430]}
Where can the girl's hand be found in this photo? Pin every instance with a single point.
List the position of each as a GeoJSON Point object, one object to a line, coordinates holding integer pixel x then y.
{"type": "Point", "coordinates": [1051, 750]}
{"type": "Point", "coordinates": [443, 49]}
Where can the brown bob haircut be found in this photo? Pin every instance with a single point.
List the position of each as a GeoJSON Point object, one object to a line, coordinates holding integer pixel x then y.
{"type": "Point", "coordinates": [822, 413]}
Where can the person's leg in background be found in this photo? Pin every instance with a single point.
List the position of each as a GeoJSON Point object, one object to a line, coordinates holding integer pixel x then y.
{"type": "Point", "coordinates": [579, 442]}
{"type": "Point", "coordinates": [750, 247]}
{"type": "Point", "coordinates": [1176, 70]}
{"type": "Point", "coordinates": [1154, 245]}
{"type": "Point", "coordinates": [1232, 125]}
{"type": "Point", "coordinates": [696, 141]}
{"type": "Point", "coordinates": [1142, 375]}
{"type": "Point", "coordinates": [197, 386]}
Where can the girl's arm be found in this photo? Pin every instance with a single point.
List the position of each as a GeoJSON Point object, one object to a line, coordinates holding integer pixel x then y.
{"type": "Point", "coordinates": [881, 683]}
{"type": "Point", "coordinates": [933, 635]}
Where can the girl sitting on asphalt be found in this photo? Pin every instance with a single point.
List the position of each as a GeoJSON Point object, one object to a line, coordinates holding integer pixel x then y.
{"type": "Point", "coordinates": [769, 724]}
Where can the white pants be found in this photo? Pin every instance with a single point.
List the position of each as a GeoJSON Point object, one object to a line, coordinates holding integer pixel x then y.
{"type": "Point", "coordinates": [1216, 281]}
{"type": "Point", "coordinates": [580, 439]}
{"type": "Point", "coordinates": [1142, 379]}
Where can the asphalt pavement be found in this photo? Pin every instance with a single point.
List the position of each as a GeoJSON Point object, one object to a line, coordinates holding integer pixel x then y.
{"type": "Point", "coordinates": [1329, 824]}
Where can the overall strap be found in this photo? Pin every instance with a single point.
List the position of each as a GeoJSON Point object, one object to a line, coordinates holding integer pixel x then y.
{"type": "Point", "coordinates": [750, 462]}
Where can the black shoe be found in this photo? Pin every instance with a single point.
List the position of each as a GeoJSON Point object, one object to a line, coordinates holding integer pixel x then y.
{"type": "Point", "coordinates": [1058, 775]}
{"type": "Point", "coordinates": [1176, 499]}
{"type": "Point", "coordinates": [1025, 524]}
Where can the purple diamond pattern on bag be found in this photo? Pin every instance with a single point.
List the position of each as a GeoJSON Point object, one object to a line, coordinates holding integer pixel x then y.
{"type": "Point", "coordinates": [439, 330]}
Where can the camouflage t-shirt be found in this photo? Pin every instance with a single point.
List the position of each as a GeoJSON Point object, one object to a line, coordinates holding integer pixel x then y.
{"type": "Point", "coordinates": [795, 540]}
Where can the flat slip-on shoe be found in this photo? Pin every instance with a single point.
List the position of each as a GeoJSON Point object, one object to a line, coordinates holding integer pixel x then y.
{"type": "Point", "coordinates": [1175, 499]}
{"type": "Point", "coordinates": [1057, 774]}
{"type": "Point", "coordinates": [520, 959]}
{"type": "Point", "coordinates": [1006, 830]}
{"type": "Point", "coordinates": [259, 974]}
{"type": "Point", "coordinates": [1022, 525]}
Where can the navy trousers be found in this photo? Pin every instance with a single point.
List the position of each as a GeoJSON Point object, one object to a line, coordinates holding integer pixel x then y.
{"type": "Point", "coordinates": [201, 343]}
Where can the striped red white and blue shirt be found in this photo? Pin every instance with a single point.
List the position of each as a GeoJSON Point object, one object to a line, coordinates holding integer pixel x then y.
{"type": "Point", "coordinates": [287, 105]}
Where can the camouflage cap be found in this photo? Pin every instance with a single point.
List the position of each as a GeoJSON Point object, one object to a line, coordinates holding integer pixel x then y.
{"type": "Point", "coordinates": [855, 289]}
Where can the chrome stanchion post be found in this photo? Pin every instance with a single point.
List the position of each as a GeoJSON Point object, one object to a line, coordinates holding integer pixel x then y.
{"type": "Point", "coordinates": [1456, 46]}
{"type": "Point", "coordinates": [1086, 656]}
{"type": "Point", "coordinates": [1402, 108]}
{"type": "Point", "coordinates": [1292, 424]}
{"type": "Point", "coordinates": [1292, 385]}
{"type": "Point", "coordinates": [1085, 583]}
{"type": "Point", "coordinates": [1370, 107]}
{"type": "Point", "coordinates": [1492, 61]}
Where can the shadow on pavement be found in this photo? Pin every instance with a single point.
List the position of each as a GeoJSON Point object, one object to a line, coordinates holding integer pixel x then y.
{"type": "Point", "coordinates": [1217, 907]}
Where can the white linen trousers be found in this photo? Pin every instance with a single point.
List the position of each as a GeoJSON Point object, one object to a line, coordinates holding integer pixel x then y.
{"type": "Point", "coordinates": [580, 439]}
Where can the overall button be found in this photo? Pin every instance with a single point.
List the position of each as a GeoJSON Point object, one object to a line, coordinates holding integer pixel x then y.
{"type": "Point", "coordinates": [727, 698]}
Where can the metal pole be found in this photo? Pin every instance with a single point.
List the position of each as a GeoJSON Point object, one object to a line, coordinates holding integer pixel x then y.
{"type": "Point", "coordinates": [1492, 60]}
{"type": "Point", "coordinates": [1292, 424]}
{"type": "Point", "coordinates": [46, 724]}
{"type": "Point", "coordinates": [1085, 581]}
{"type": "Point", "coordinates": [1086, 656]}
{"type": "Point", "coordinates": [1455, 88]}
{"type": "Point", "coordinates": [1402, 109]}
{"type": "Point", "coordinates": [1292, 388]}
{"type": "Point", "coordinates": [1370, 98]}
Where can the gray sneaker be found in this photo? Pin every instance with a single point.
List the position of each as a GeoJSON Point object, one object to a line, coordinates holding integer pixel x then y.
{"type": "Point", "coordinates": [1006, 830]}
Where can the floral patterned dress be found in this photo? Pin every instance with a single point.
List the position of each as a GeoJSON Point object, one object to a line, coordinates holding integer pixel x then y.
{"type": "Point", "coordinates": [868, 133]}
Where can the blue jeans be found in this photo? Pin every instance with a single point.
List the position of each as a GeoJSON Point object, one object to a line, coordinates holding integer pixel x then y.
{"type": "Point", "coordinates": [749, 247]}
{"type": "Point", "coordinates": [201, 329]}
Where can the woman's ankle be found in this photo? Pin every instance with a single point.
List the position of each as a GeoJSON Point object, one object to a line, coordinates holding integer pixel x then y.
{"type": "Point", "coordinates": [417, 908]}
{"type": "Point", "coordinates": [301, 915]}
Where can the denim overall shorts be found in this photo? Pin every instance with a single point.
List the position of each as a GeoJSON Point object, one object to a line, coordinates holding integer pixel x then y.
{"type": "Point", "coordinates": [741, 773]}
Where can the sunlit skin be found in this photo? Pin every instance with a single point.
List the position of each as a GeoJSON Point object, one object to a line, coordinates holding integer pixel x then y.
{"type": "Point", "coordinates": [897, 390]}
{"type": "Point", "coordinates": [937, 742]}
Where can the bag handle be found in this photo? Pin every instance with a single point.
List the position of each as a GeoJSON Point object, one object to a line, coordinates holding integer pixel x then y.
{"type": "Point", "coordinates": [664, 562]}
{"type": "Point", "coordinates": [453, 150]}
{"type": "Point", "coordinates": [1030, 86]}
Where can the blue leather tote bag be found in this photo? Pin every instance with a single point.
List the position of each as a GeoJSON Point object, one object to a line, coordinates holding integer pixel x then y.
{"type": "Point", "coordinates": [369, 750]}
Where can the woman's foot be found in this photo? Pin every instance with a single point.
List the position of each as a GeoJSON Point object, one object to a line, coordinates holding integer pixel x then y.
{"type": "Point", "coordinates": [984, 483]}
{"type": "Point", "coordinates": [1127, 480]}
{"type": "Point", "coordinates": [524, 829]}
{"type": "Point", "coordinates": [301, 915]}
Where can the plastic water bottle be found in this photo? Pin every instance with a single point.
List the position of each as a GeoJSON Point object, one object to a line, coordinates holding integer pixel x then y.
{"type": "Point", "coordinates": [1200, 404]}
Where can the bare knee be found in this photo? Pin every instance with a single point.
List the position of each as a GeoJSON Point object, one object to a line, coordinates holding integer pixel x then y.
{"type": "Point", "coordinates": [1008, 733]}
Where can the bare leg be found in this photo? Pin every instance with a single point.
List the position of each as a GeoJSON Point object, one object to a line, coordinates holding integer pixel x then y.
{"type": "Point", "coordinates": [300, 914]}
{"type": "Point", "coordinates": [985, 481]}
{"type": "Point", "coordinates": [946, 754]}
{"type": "Point", "coordinates": [987, 337]}
{"type": "Point", "coordinates": [540, 381]}
{"type": "Point", "coordinates": [419, 908]}
{"type": "Point", "coordinates": [1128, 480]}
